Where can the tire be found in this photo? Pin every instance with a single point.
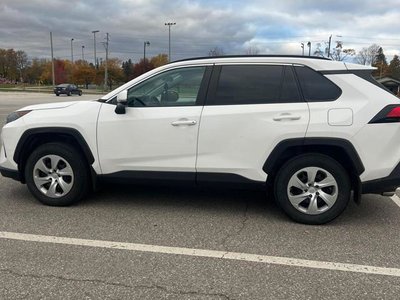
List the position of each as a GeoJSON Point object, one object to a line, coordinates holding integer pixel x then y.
{"type": "Point", "coordinates": [69, 94]}
{"type": "Point", "coordinates": [298, 188]}
{"type": "Point", "coordinates": [56, 174]}
{"type": "Point", "coordinates": [80, 93]}
{"type": "Point", "coordinates": [57, 94]}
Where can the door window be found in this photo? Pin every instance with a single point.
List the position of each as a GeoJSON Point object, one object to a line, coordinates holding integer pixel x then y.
{"type": "Point", "coordinates": [179, 87]}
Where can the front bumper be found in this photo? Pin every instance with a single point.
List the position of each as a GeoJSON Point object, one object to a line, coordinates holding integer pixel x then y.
{"type": "Point", "coordinates": [14, 174]}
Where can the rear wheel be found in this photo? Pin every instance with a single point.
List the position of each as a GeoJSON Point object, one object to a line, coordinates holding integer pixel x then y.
{"type": "Point", "coordinates": [57, 94]}
{"type": "Point", "coordinates": [56, 174]}
{"type": "Point", "coordinates": [312, 188]}
{"type": "Point", "coordinates": [80, 93]}
{"type": "Point", "coordinates": [69, 94]}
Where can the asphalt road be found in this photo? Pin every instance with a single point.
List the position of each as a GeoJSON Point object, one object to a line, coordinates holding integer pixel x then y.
{"type": "Point", "coordinates": [222, 220]}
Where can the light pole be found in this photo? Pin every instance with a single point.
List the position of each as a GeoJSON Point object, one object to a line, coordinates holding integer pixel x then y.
{"type": "Point", "coordinates": [147, 43]}
{"type": "Point", "coordinates": [329, 46]}
{"type": "Point", "coordinates": [94, 46]}
{"type": "Point", "coordinates": [309, 48]}
{"type": "Point", "coordinates": [302, 48]}
{"type": "Point", "coordinates": [169, 24]}
{"type": "Point", "coordinates": [83, 56]}
{"type": "Point", "coordinates": [72, 51]}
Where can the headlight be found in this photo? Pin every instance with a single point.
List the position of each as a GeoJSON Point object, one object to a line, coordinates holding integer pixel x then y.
{"type": "Point", "coordinates": [16, 115]}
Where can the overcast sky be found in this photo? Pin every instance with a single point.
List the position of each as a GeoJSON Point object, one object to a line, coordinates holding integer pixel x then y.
{"type": "Point", "coordinates": [274, 27]}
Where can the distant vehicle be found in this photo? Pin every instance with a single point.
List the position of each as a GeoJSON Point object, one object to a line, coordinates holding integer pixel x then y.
{"type": "Point", "coordinates": [67, 89]}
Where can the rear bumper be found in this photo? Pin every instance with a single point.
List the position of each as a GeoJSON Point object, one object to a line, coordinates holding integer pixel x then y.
{"type": "Point", "coordinates": [382, 185]}
{"type": "Point", "coordinates": [13, 174]}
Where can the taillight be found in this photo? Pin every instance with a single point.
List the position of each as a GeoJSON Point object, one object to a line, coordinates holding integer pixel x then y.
{"type": "Point", "coordinates": [389, 114]}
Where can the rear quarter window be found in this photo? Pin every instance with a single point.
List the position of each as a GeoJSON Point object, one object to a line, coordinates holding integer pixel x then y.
{"type": "Point", "coordinates": [315, 86]}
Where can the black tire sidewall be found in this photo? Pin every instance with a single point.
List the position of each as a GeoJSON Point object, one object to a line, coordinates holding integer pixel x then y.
{"type": "Point", "coordinates": [312, 160]}
{"type": "Point", "coordinates": [77, 163]}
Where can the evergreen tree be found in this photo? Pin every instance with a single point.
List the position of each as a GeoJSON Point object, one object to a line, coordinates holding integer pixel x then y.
{"type": "Point", "coordinates": [394, 67]}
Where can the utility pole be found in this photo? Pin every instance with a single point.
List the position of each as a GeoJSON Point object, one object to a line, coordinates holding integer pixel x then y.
{"type": "Point", "coordinates": [309, 48]}
{"type": "Point", "coordinates": [72, 51]}
{"type": "Point", "coordinates": [94, 47]}
{"type": "Point", "coordinates": [302, 48]}
{"type": "Point", "coordinates": [106, 67]}
{"type": "Point", "coordinates": [329, 46]}
{"type": "Point", "coordinates": [83, 56]}
{"type": "Point", "coordinates": [52, 60]}
{"type": "Point", "coordinates": [169, 24]}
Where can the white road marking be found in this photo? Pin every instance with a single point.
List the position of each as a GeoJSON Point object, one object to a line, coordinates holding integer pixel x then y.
{"type": "Point", "coordinates": [274, 260]}
{"type": "Point", "coordinates": [396, 199]}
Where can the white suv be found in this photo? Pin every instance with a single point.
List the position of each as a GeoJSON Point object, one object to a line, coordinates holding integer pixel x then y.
{"type": "Point", "coordinates": [309, 129]}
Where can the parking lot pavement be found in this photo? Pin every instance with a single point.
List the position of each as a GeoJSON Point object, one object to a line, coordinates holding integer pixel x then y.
{"type": "Point", "coordinates": [218, 221]}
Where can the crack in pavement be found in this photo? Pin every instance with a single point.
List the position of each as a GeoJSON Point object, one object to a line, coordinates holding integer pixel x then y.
{"type": "Point", "coordinates": [118, 284]}
{"type": "Point", "coordinates": [239, 230]}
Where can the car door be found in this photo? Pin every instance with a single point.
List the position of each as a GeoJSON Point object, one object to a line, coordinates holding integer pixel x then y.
{"type": "Point", "coordinates": [249, 110]}
{"type": "Point", "coordinates": [157, 135]}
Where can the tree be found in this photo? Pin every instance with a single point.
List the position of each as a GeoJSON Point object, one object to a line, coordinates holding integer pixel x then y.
{"type": "Point", "coordinates": [340, 54]}
{"type": "Point", "coordinates": [318, 51]}
{"type": "Point", "coordinates": [21, 60]}
{"type": "Point", "coordinates": [159, 60]}
{"type": "Point", "coordinates": [127, 68]}
{"type": "Point", "coordinates": [216, 51]}
{"type": "Point", "coordinates": [394, 67]}
{"type": "Point", "coordinates": [380, 63]}
{"type": "Point", "coordinates": [35, 70]}
{"type": "Point", "coordinates": [83, 73]}
{"type": "Point", "coordinates": [115, 73]}
{"type": "Point", "coordinates": [366, 56]}
{"type": "Point", "coordinates": [252, 50]}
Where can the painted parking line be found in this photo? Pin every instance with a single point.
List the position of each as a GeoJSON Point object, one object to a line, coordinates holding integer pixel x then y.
{"type": "Point", "coordinates": [396, 199]}
{"type": "Point", "coordinates": [247, 257]}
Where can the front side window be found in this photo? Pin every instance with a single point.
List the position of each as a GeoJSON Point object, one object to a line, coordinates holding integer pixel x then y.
{"type": "Point", "coordinates": [179, 87]}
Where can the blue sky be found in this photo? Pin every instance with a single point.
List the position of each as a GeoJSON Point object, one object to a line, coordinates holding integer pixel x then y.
{"type": "Point", "coordinates": [273, 27]}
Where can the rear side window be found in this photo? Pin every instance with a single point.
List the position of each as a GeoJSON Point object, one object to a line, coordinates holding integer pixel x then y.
{"type": "Point", "coordinates": [254, 84]}
{"type": "Point", "coordinates": [316, 87]}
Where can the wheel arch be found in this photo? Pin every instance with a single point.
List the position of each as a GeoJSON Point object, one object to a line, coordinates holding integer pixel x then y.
{"type": "Point", "coordinates": [341, 150]}
{"type": "Point", "coordinates": [32, 138]}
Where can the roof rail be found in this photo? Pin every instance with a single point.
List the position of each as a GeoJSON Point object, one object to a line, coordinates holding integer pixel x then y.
{"type": "Point", "coordinates": [260, 56]}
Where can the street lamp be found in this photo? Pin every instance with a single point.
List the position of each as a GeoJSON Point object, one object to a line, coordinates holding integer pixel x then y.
{"type": "Point", "coordinates": [94, 46]}
{"type": "Point", "coordinates": [72, 51]}
{"type": "Point", "coordinates": [169, 24]}
{"type": "Point", "coordinates": [83, 56]}
{"type": "Point", "coordinates": [147, 43]}
{"type": "Point", "coordinates": [302, 48]}
{"type": "Point", "coordinates": [309, 48]}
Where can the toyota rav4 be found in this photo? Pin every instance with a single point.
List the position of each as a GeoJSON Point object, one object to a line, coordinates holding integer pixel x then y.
{"type": "Point", "coordinates": [313, 132]}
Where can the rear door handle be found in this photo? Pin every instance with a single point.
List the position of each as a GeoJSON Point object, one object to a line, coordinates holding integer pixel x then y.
{"type": "Point", "coordinates": [184, 122]}
{"type": "Point", "coordinates": [286, 116]}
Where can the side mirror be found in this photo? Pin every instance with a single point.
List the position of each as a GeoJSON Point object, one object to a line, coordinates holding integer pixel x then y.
{"type": "Point", "coordinates": [122, 100]}
{"type": "Point", "coordinates": [122, 97]}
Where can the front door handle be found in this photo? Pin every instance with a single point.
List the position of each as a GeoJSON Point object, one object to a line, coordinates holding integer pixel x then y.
{"type": "Point", "coordinates": [286, 116]}
{"type": "Point", "coordinates": [184, 122]}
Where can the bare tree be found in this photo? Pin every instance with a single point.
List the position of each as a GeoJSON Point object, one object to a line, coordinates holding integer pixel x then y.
{"type": "Point", "coordinates": [318, 51]}
{"type": "Point", "coordinates": [366, 56]}
{"type": "Point", "coordinates": [252, 50]}
{"type": "Point", "coordinates": [340, 54]}
{"type": "Point", "coordinates": [216, 51]}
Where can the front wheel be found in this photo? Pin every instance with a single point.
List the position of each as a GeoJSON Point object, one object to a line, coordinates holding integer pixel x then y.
{"type": "Point", "coordinates": [56, 174]}
{"type": "Point", "coordinates": [312, 188]}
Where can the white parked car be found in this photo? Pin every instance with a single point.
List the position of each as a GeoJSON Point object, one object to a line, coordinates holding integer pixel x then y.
{"type": "Point", "coordinates": [309, 129]}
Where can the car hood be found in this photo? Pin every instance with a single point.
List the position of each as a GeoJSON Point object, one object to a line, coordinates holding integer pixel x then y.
{"type": "Point", "coordinates": [50, 105]}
